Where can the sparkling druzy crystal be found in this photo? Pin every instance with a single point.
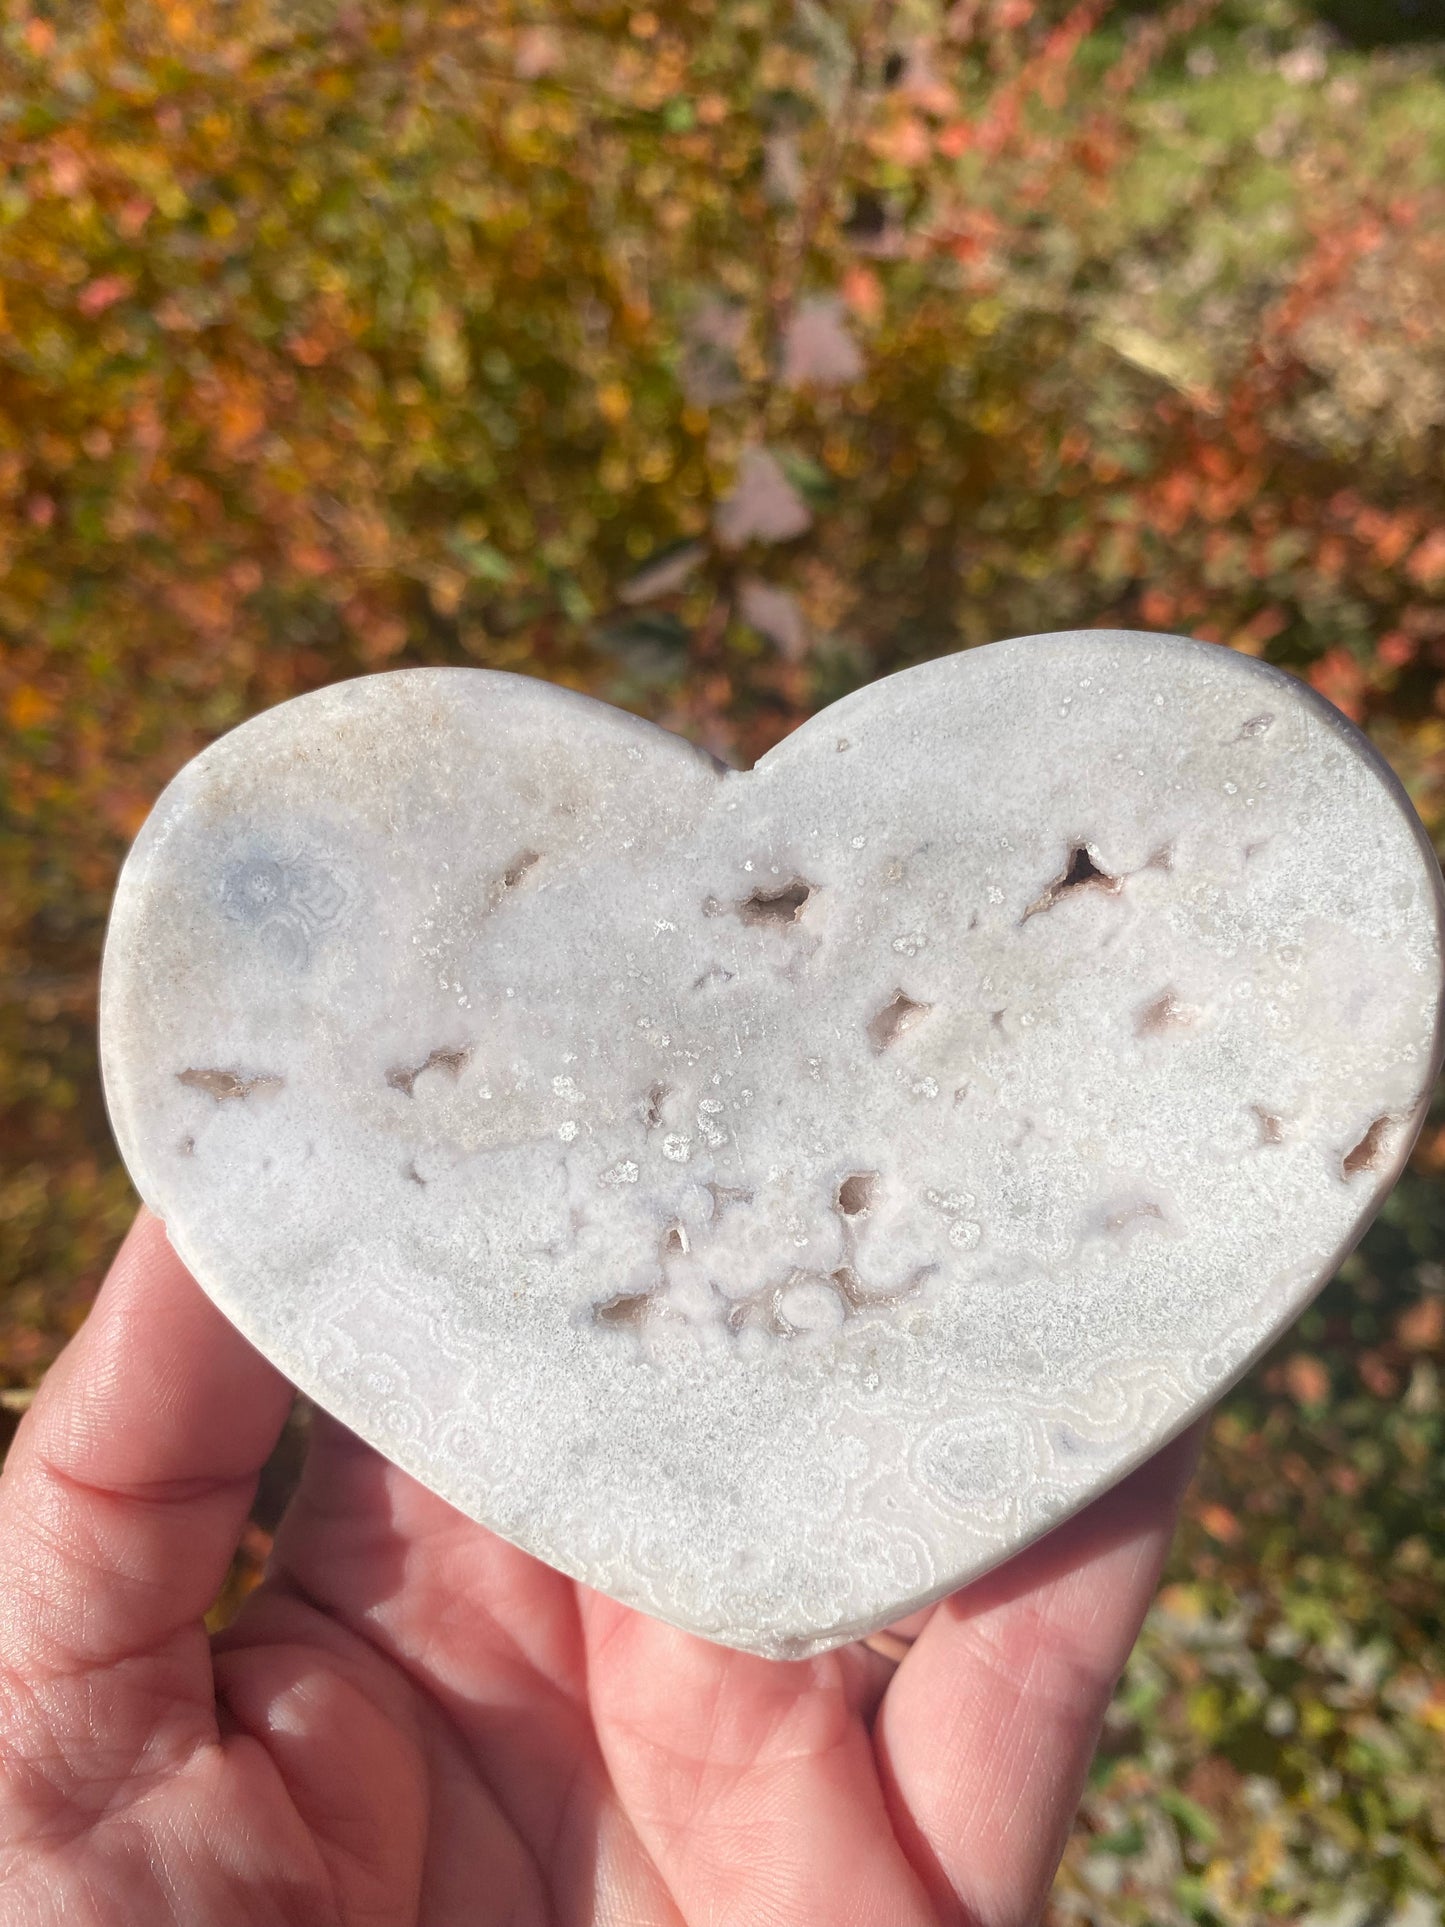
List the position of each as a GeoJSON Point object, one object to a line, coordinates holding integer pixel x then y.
{"type": "Point", "coordinates": [775, 1197]}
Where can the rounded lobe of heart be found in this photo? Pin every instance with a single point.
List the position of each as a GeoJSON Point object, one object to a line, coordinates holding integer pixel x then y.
{"type": "Point", "coordinates": [776, 1197]}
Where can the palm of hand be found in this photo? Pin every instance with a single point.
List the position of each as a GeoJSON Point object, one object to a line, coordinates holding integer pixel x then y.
{"type": "Point", "coordinates": [412, 1724]}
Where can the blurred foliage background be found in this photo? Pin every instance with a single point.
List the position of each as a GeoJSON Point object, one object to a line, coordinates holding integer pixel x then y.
{"type": "Point", "coordinates": [717, 356]}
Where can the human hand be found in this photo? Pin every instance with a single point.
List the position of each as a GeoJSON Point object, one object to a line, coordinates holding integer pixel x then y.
{"type": "Point", "coordinates": [412, 1724]}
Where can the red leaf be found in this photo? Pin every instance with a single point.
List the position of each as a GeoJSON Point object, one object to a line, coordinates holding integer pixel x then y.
{"type": "Point", "coordinates": [102, 293]}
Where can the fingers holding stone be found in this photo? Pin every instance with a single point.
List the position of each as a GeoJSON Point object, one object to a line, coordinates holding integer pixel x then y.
{"type": "Point", "coordinates": [130, 1478]}
{"type": "Point", "coordinates": [986, 1731]}
{"type": "Point", "coordinates": [384, 1552]}
{"type": "Point", "coordinates": [750, 1781]}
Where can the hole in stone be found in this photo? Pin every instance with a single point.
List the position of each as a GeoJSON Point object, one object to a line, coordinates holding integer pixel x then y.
{"type": "Point", "coordinates": [454, 1059]}
{"type": "Point", "coordinates": [1164, 1013]}
{"type": "Point", "coordinates": [187, 1147]}
{"type": "Point", "coordinates": [776, 908]}
{"type": "Point", "coordinates": [518, 868]}
{"type": "Point", "coordinates": [627, 1309]}
{"type": "Point", "coordinates": [849, 1285]}
{"type": "Point", "coordinates": [1133, 1214]}
{"type": "Point", "coordinates": [856, 1193]}
{"type": "Point", "coordinates": [222, 1085]}
{"type": "Point", "coordinates": [1081, 872]}
{"type": "Point", "coordinates": [675, 1238]}
{"type": "Point", "coordinates": [657, 1096]}
{"type": "Point", "coordinates": [860, 1296]}
{"type": "Point", "coordinates": [1083, 869]}
{"type": "Point", "coordinates": [1257, 725]}
{"type": "Point", "coordinates": [414, 1175]}
{"type": "Point", "coordinates": [897, 1016]}
{"type": "Point", "coordinates": [714, 974]}
{"type": "Point", "coordinates": [1369, 1153]}
{"type": "Point", "coordinates": [1271, 1129]}
{"type": "Point", "coordinates": [725, 1194]}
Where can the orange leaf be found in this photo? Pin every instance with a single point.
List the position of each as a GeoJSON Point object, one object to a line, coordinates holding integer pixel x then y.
{"type": "Point", "coordinates": [1158, 608]}
{"type": "Point", "coordinates": [1396, 649]}
{"type": "Point", "coordinates": [1220, 1523]}
{"type": "Point", "coordinates": [29, 707]}
{"type": "Point", "coordinates": [240, 419]}
{"type": "Point", "coordinates": [1421, 1326]}
{"type": "Point", "coordinates": [863, 291]}
{"type": "Point", "coordinates": [906, 143]}
{"type": "Point", "coordinates": [1427, 564]}
{"type": "Point", "coordinates": [1307, 1380]}
{"type": "Point", "coordinates": [1430, 1151]}
{"type": "Point", "coordinates": [309, 558]}
{"type": "Point", "coordinates": [1338, 677]}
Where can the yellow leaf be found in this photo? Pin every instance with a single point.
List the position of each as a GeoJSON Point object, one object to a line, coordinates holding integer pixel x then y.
{"type": "Point", "coordinates": [614, 403]}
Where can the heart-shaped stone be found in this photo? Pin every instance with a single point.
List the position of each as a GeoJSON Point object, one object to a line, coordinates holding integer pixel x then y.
{"type": "Point", "coordinates": [775, 1197]}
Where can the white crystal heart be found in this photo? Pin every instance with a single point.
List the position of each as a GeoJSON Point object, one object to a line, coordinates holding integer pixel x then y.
{"type": "Point", "coordinates": [776, 1197]}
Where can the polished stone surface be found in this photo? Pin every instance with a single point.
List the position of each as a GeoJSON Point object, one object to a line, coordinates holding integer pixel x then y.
{"type": "Point", "coordinates": [775, 1197]}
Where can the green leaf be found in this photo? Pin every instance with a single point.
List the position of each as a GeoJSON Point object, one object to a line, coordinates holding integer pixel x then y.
{"type": "Point", "coordinates": [480, 559]}
{"type": "Point", "coordinates": [1124, 1843]}
{"type": "Point", "coordinates": [1190, 1816]}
